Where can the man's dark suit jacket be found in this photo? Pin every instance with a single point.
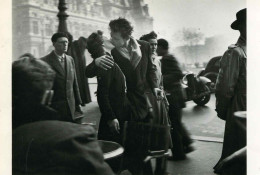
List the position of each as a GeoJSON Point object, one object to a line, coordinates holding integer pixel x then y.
{"type": "Point", "coordinates": [57, 148]}
{"type": "Point", "coordinates": [138, 79]}
{"type": "Point", "coordinates": [66, 91]}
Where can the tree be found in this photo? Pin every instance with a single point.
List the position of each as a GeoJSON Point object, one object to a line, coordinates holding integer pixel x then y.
{"type": "Point", "coordinates": [189, 37]}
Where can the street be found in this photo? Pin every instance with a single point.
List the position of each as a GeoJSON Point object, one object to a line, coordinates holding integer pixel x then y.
{"type": "Point", "coordinates": [202, 121]}
{"type": "Point", "coordinates": [207, 130]}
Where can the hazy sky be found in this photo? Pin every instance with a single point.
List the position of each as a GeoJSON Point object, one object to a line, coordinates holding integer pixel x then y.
{"type": "Point", "coordinates": [211, 17]}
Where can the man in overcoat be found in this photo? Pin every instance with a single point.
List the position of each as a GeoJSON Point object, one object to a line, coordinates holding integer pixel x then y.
{"type": "Point", "coordinates": [76, 50]}
{"type": "Point", "coordinates": [231, 94]}
{"type": "Point", "coordinates": [66, 91]}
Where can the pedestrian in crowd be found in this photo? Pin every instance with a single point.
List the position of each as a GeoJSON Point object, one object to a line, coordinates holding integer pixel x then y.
{"type": "Point", "coordinates": [160, 107]}
{"type": "Point", "coordinates": [159, 113]}
{"type": "Point", "coordinates": [134, 59]}
{"type": "Point", "coordinates": [66, 96]}
{"type": "Point", "coordinates": [42, 145]}
{"type": "Point", "coordinates": [111, 93]}
{"type": "Point", "coordinates": [172, 75]}
{"type": "Point", "coordinates": [231, 93]}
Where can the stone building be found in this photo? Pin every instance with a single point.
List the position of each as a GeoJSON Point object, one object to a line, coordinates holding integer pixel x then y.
{"type": "Point", "coordinates": [34, 21]}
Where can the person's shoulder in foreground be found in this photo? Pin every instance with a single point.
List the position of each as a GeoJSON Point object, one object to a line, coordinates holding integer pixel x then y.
{"type": "Point", "coordinates": [57, 147]}
{"type": "Point", "coordinates": [42, 145]}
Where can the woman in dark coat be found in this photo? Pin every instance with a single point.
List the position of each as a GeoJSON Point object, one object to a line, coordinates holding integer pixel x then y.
{"type": "Point", "coordinates": [111, 94]}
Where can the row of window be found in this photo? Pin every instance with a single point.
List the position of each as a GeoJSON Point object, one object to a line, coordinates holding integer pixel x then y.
{"type": "Point", "coordinates": [49, 31]}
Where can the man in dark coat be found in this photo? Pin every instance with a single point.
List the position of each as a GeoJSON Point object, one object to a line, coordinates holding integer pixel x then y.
{"type": "Point", "coordinates": [172, 75]}
{"type": "Point", "coordinates": [231, 94]}
{"type": "Point", "coordinates": [77, 51]}
{"type": "Point", "coordinates": [41, 144]}
{"type": "Point", "coordinates": [66, 91]}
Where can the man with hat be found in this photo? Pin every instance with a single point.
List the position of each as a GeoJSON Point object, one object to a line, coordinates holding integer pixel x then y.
{"type": "Point", "coordinates": [231, 94]}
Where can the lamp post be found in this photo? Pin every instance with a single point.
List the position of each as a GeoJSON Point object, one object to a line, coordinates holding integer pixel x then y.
{"type": "Point", "coordinates": [62, 15]}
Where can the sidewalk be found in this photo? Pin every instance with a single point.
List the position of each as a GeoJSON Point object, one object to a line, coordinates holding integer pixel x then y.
{"type": "Point", "coordinates": [199, 162]}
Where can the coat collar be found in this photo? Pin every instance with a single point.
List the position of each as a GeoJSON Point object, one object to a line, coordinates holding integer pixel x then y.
{"type": "Point", "coordinates": [242, 43]}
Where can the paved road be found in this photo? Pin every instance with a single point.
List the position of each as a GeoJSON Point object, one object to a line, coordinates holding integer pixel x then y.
{"type": "Point", "coordinates": [207, 130]}
{"type": "Point", "coordinates": [202, 121]}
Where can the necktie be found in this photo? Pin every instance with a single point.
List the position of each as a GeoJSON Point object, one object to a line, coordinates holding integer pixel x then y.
{"type": "Point", "coordinates": [62, 62]}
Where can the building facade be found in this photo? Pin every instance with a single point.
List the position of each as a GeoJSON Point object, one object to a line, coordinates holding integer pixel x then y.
{"type": "Point", "coordinates": [34, 21]}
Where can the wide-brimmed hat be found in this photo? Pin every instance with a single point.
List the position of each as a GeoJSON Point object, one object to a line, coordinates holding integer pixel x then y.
{"type": "Point", "coordinates": [241, 19]}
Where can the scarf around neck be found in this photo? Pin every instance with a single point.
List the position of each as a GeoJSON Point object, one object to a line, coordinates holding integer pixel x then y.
{"type": "Point", "coordinates": [132, 52]}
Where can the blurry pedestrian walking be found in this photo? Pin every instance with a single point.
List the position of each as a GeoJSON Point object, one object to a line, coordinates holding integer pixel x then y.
{"type": "Point", "coordinates": [172, 75]}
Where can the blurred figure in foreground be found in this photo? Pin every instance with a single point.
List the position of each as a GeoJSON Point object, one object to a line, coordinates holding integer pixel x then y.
{"type": "Point", "coordinates": [231, 91]}
{"type": "Point", "coordinates": [172, 76]}
{"type": "Point", "coordinates": [41, 144]}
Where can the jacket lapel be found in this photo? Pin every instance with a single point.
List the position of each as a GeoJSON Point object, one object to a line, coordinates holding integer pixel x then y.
{"type": "Point", "coordinates": [56, 64]}
{"type": "Point", "coordinates": [67, 65]}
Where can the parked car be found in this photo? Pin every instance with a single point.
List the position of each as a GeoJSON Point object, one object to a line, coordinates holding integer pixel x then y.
{"type": "Point", "coordinates": [211, 71]}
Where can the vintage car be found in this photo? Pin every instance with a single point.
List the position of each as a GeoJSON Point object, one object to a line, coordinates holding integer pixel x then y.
{"type": "Point", "coordinates": [211, 70]}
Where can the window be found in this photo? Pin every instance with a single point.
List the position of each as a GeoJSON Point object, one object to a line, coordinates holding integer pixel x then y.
{"type": "Point", "coordinates": [48, 30]}
{"type": "Point", "coordinates": [35, 27]}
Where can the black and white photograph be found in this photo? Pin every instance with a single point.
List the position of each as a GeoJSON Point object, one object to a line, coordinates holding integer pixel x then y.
{"type": "Point", "coordinates": [129, 87]}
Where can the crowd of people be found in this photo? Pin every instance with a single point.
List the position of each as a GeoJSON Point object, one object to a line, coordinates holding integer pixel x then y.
{"type": "Point", "coordinates": [133, 85]}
